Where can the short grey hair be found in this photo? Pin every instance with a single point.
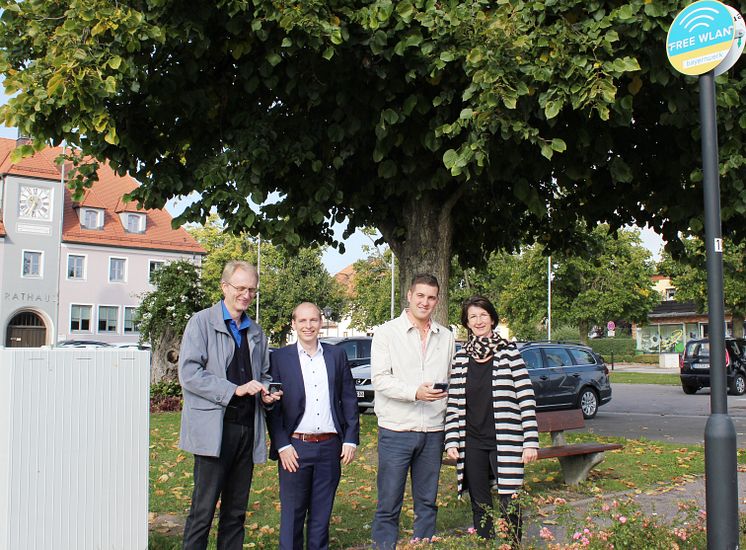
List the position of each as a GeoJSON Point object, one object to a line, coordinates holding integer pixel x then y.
{"type": "Point", "coordinates": [234, 265]}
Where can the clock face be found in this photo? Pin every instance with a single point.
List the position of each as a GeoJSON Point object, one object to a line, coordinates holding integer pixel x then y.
{"type": "Point", "coordinates": [35, 202]}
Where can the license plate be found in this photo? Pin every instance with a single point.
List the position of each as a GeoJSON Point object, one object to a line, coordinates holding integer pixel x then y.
{"type": "Point", "coordinates": [360, 394]}
{"type": "Point", "coordinates": [700, 365]}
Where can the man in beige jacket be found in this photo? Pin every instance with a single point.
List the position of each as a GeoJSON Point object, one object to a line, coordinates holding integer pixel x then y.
{"type": "Point", "coordinates": [410, 364]}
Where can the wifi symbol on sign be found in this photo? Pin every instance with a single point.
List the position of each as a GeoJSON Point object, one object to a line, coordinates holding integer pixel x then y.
{"type": "Point", "coordinates": [701, 17]}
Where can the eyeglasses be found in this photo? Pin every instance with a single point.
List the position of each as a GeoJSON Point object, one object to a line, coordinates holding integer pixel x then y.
{"type": "Point", "coordinates": [243, 289]}
{"type": "Point", "coordinates": [480, 317]}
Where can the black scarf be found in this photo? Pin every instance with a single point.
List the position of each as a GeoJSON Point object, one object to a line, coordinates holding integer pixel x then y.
{"type": "Point", "coordinates": [483, 347]}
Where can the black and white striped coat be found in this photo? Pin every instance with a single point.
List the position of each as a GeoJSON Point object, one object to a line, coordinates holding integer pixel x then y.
{"type": "Point", "coordinates": [514, 410]}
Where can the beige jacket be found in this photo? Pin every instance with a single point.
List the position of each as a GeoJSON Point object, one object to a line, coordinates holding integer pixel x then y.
{"type": "Point", "coordinates": [398, 368]}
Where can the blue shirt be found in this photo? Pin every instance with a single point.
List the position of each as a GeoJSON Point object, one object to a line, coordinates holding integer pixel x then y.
{"type": "Point", "coordinates": [235, 329]}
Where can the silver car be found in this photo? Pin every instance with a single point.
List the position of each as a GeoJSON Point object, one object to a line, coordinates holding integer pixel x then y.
{"type": "Point", "coordinates": [364, 387]}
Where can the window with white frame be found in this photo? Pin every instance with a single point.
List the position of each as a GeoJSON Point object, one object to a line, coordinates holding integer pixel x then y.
{"type": "Point", "coordinates": [32, 263]}
{"type": "Point", "coordinates": [131, 320]}
{"type": "Point", "coordinates": [134, 223]}
{"type": "Point", "coordinates": [154, 266]}
{"type": "Point", "coordinates": [117, 270]}
{"type": "Point", "coordinates": [107, 318]}
{"type": "Point", "coordinates": [91, 218]}
{"type": "Point", "coordinates": [80, 318]}
{"type": "Point", "coordinates": [75, 266]}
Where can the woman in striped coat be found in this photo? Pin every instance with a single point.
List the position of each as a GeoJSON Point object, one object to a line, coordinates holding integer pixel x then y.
{"type": "Point", "coordinates": [491, 428]}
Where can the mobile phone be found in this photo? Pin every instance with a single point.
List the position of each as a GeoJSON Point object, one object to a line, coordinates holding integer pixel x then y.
{"type": "Point", "coordinates": [441, 386]}
{"type": "Point", "coordinates": [274, 387]}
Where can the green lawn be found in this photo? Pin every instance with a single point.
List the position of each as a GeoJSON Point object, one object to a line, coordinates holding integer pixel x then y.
{"type": "Point", "coordinates": [667, 379]}
{"type": "Point", "coordinates": [642, 465]}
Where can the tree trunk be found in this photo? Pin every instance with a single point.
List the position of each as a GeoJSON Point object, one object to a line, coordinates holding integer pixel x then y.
{"type": "Point", "coordinates": [737, 322]}
{"type": "Point", "coordinates": [583, 328]}
{"type": "Point", "coordinates": [164, 358]}
{"type": "Point", "coordinates": [426, 247]}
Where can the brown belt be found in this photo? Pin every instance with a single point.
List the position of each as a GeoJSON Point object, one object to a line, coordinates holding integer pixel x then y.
{"type": "Point", "coordinates": [313, 438]}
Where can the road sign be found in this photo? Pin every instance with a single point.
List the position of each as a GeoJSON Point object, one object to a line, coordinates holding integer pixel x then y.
{"type": "Point", "coordinates": [610, 325]}
{"type": "Point", "coordinates": [700, 37]}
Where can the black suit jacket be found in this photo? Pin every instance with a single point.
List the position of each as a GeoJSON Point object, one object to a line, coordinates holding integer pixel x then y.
{"type": "Point", "coordinates": [284, 417]}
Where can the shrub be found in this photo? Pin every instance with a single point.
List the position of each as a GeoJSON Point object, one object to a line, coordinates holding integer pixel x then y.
{"type": "Point", "coordinates": [618, 346]}
{"type": "Point", "coordinates": [165, 396]}
{"type": "Point", "coordinates": [566, 333]}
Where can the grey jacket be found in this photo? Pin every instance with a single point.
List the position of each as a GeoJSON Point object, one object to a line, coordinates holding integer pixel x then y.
{"type": "Point", "coordinates": [207, 348]}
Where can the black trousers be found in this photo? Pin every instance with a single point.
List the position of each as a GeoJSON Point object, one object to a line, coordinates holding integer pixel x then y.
{"type": "Point", "coordinates": [478, 464]}
{"type": "Point", "coordinates": [227, 477]}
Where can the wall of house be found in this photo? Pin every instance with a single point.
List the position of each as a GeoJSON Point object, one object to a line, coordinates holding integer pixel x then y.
{"type": "Point", "coordinates": [95, 289]}
{"type": "Point", "coordinates": [34, 294]}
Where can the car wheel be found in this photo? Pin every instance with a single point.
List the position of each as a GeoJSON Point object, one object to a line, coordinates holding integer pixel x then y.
{"type": "Point", "coordinates": [588, 402]}
{"type": "Point", "coordinates": [738, 386]}
{"type": "Point", "coordinates": [689, 389]}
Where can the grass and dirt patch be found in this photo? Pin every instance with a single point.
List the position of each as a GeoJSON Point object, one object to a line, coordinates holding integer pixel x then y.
{"type": "Point", "coordinates": [641, 466]}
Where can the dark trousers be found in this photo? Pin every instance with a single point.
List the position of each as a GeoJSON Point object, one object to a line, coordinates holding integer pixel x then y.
{"type": "Point", "coordinates": [478, 464]}
{"type": "Point", "coordinates": [308, 494]}
{"type": "Point", "coordinates": [227, 477]}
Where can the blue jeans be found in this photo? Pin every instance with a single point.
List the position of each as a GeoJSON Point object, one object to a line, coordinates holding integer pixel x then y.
{"type": "Point", "coordinates": [398, 453]}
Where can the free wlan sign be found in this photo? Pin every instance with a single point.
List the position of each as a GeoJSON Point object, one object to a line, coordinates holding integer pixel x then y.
{"type": "Point", "coordinates": [700, 37]}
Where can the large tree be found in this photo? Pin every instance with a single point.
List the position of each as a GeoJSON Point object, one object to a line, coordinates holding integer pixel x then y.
{"type": "Point", "coordinates": [448, 125]}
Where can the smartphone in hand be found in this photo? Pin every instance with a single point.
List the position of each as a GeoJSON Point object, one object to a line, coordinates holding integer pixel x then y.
{"type": "Point", "coordinates": [274, 387]}
{"type": "Point", "coordinates": [440, 386]}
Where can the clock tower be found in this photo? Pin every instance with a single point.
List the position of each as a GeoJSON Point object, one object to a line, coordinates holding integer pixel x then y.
{"type": "Point", "coordinates": [32, 217]}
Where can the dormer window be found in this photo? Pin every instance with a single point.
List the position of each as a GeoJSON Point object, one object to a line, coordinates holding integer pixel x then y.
{"type": "Point", "coordinates": [91, 218]}
{"type": "Point", "coordinates": [133, 223]}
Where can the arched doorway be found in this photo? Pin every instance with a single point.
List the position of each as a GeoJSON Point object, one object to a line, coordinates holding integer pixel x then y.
{"type": "Point", "coordinates": [26, 330]}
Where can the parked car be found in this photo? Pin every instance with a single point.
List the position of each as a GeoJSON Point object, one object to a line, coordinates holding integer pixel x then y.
{"type": "Point", "coordinates": [82, 344]}
{"type": "Point", "coordinates": [364, 387]}
{"type": "Point", "coordinates": [566, 376]}
{"type": "Point", "coordinates": [357, 348]}
{"type": "Point", "coordinates": [694, 365]}
{"type": "Point", "coordinates": [132, 345]}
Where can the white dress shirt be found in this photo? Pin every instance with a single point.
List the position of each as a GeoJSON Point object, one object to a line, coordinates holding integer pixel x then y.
{"type": "Point", "coordinates": [317, 417]}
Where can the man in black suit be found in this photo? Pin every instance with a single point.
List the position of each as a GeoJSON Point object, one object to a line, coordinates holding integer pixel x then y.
{"type": "Point", "coordinates": [313, 428]}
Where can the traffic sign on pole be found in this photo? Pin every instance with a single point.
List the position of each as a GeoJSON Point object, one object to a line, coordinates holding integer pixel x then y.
{"type": "Point", "coordinates": [701, 42]}
{"type": "Point", "coordinates": [700, 37]}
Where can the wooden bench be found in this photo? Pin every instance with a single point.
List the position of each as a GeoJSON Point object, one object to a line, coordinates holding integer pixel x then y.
{"type": "Point", "coordinates": [577, 459]}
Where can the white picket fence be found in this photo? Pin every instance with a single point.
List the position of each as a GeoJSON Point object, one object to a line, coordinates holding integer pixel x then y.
{"type": "Point", "coordinates": [74, 432]}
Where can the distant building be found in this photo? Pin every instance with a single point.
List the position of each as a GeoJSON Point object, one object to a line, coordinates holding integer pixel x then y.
{"type": "Point", "coordinates": [76, 270]}
{"type": "Point", "coordinates": [671, 324]}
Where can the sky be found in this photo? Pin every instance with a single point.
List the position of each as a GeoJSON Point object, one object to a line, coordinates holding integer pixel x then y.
{"type": "Point", "coordinates": [354, 245]}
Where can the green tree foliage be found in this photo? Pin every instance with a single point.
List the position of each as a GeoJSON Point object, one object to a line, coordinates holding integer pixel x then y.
{"type": "Point", "coordinates": [689, 276]}
{"type": "Point", "coordinates": [223, 246]}
{"type": "Point", "coordinates": [289, 278]}
{"type": "Point", "coordinates": [452, 125]}
{"type": "Point", "coordinates": [164, 313]}
{"type": "Point", "coordinates": [610, 281]}
{"type": "Point", "coordinates": [607, 279]}
{"type": "Point", "coordinates": [370, 303]}
{"type": "Point", "coordinates": [286, 278]}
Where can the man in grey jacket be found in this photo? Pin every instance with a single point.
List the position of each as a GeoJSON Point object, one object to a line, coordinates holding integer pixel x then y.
{"type": "Point", "coordinates": [223, 368]}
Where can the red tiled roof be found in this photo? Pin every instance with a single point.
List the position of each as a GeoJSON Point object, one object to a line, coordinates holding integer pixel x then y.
{"type": "Point", "coordinates": [345, 278]}
{"type": "Point", "coordinates": [105, 194]}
